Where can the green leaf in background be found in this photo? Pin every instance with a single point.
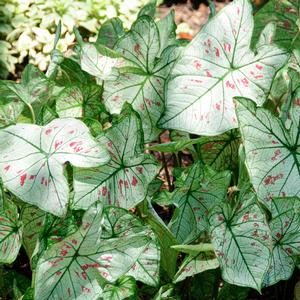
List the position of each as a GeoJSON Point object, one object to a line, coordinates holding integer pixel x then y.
{"type": "Point", "coordinates": [202, 189]}
{"type": "Point", "coordinates": [123, 288]}
{"type": "Point", "coordinates": [141, 80]}
{"type": "Point", "coordinates": [194, 264]}
{"type": "Point", "coordinates": [242, 241]}
{"type": "Point", "coordinates": [286, 15]}
{"type": "Point", "coordinates": [31, 160]}
{"type": "Point", "coordinates": [124, 180]}
{"type": "Point", "coordinates": [285, 229]}
{"type": "Point", "coordinates": [10, 232]}
{"type": "Point", "coordinates": [70, 268]}
{"type": "Point", "coordinates": [272, 150]}
{"type": "Point", "coordinates": [216, 66]}
{"type": "Point", "coordinates": [110, 32]}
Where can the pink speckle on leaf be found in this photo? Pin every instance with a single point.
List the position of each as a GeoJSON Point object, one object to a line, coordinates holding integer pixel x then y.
{"type": "Point", "coordinates": [48, 131]}
{"type": "Point", "coordinates": [217, 51]}
{"type": "Point", "coordinates": [272, 179]}
{"type": "Point", "coordinates": [208, 74]}
{"type": "Point", "coordinates": [6, 168]}
{"type": "Point", "coordinates": [259, 67]}
{"type": "Point", "coordinates": [278, 235]}
{"type": "Point", "coordinates": [297, 101]}
{"type": "Point", "coordinates": [74, 242]}
{"type": "Point", "coordinates": [84, 276]}
{"type": "Point", "coordinates": [23, 179]}
{"type": "Point", "coordinates": [227, 47]}
{"type": "Point", "coordinates": [197, 64]}
{"type": "Point", "coordinates": [229, 85]}
{"type": "Point", "coordinates": [218, 106]}
{"type": "Point", "coordinates": [57, 144]}
{"type": "Point", "coordinates": [104, 191]}
{"type": "Point", "coordinates": [58, 273]}
{"type": "Point", "coordinates": [134, 181]}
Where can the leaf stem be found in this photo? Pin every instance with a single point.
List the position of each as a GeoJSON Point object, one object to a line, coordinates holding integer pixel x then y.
{"type": "Point", "coordinates": [32, 113]}
{"type": "Point", "coordinates": [170, 185]}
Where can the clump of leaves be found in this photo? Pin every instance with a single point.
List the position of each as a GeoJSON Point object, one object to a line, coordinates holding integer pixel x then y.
{"type": "Point", "coordinates": [106, 207]}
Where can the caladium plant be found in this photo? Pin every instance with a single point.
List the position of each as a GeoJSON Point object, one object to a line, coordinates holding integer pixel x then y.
{"type": "Point", "coordinates": [143, 164]}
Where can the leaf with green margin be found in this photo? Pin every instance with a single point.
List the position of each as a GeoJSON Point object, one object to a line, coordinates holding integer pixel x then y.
{"type": "Point", "coordinates": [220, 152]}
{"type": "Point", "coordinates": [216, 66]}
{"type": "Point", "coordinates": [123, 288]}
{"type": "Point", "coordinates": [141, 80]}
{"type": "Point", "coordinates": [110, 32]}
{"type": "Point", "coordinates": [10, 233]}
{"type": "Point", "coordinates": [194, 264]}
{"type": "Point", "coordinates": [285, 229]}
{"type": "Point", "coordinates": [124, 180]}
{"type": "Point", "coordinates": [119, 223]}
{"type": "Point", "coordinates": [194, 249]}
{"type": "Point", "coordinates": [286, 15]}
{"type": "Point", "coordinates": [149, 9]}
{"type": "Point", "coordinates": [242, 241]}
{"type": "Point", "coordinates": [202, 189]}
{"type": "Point", "coordinates": [33, 219]}
{"type": "Point", "coordinates": [31, 160]}
{"type": "Point", "coordinates": [71, 269]}
{"type": "Point", "coordinates": [272, 150]}
{"type": "Point", "coordinates": [74, 102]}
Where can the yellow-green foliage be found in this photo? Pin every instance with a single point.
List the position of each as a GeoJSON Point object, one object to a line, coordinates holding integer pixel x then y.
{"type": "Point", "coordinates": [29, 25]}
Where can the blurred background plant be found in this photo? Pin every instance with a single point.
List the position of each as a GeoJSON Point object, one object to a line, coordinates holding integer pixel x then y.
{"type": "Point", "coordinates": [27, 27]}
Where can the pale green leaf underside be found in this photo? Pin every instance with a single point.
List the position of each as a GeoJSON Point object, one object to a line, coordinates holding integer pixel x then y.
{"type": "Point", "coordinates": [216, 66]}
{"type": "Point", "coordinates": [202, 189]}
{"type": "Point", "coordinates": [70, 269]}
{"type": "Point", "coordinates": [124, 180]}
{"type": "Point", "coordinates": [124, 288]}
{"type": "Point", "coordinates": [242, 242]}
{"type": "Point", "coordinates": [285, 229]}
{"type": "Point", "coordinates": [10, 233]}
{"type": "Point", "coordinates": [272, 151]}
{"type": "Point", "coordinates": [31, 160]}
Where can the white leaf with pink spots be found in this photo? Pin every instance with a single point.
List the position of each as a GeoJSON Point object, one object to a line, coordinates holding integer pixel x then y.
{"type": "Point", "coordinates": [124, 180]}
{"type": "Point", "coordinates": [108, 244]}
{"type": "Point", "coordinates": [272, 150]}
{"type": "Point", "coordinates": [242, 241]}
{"type": "Point", "coordinates": [285, 229]}
{"type": "Point", "coordinates": [32, 159]}
{"type": "Point", "coordinates": [216, 66]}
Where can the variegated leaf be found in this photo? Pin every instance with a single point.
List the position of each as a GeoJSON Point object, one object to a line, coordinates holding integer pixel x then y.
{"type": "Point", "coordinates": [216, 66]}
{"type": "Point", "coordinates": [31, 160]}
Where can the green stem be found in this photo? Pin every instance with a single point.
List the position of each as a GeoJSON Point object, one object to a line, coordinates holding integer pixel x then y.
{"type": "Point", "coordinates": [32, 113]}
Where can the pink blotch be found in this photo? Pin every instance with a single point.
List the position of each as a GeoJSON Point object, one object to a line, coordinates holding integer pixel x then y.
{"type": "Point", "coordinates": [58, 273]}
{"type": "Point", "coordinates": [197, 64]}
{"type": "Point", "coordinates": [218, 106]}
{"type": "Point", "coordinates": [217, 51]}
{"type": "Point", "coordinates": [134, 181]}
{"type": "Point", "coordinates": [227, 47]}
{"type": "Point", "coordinates": [32, 177]}
{"type": "Point", "coordinates": [23, 179]}
{"type": "Point", "coordinates": [74, 242]}
{"type": "Point", "coordinates": [6, 168]}
{"type": "Point", "coordinates": [259, 67]}
{"type": "Point", "coordinates": [104, 191]}
{"type": "Point", "coordinates": [208, 74]}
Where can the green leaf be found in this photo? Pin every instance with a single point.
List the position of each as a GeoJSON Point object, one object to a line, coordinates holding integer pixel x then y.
{"type": "Point", "coordinates": [110, 32]}
{"type": "Point", "coordinates": [71, 268]}
{"type": "Point", "coordinates": [242, 241]}
{"type": "Point", "coordinates": [124, 180]}
{"type": "Point", "coordinates": [272, 150]}
{"type": "Point", "coordinates": [220, 152]}
{"type": "Point", "coordinates": [286, 16]}
{"type": "Point", "coordinates": [202, 189]}
{"type": "Point", "coordinates": [285, 229]}
{"type": "Point", "coordinates": [216, 66]}
{"type": "Point", "coordinates": [123, 288]}
{"type": "Point", "coordinates": [119, 223]}
{"type": "Point", "coordinates": [149, 9]}
{"type": "Point", "coordinates": [194, 264]}
{"type": "Point", "coordinates": [31, 160]}
{"type": "Point", "coordinates": [10, 233]}
{"type": "Point", "coordinates": [141, 79]}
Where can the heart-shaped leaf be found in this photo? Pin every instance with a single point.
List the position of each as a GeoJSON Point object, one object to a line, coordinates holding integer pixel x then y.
{"type": "Point", "coordinates": [286, 16]}
{"type": "Point", "coordinates": [125, 179]}
{"type": "Point", "coordinates": [242, 241]}
{"type": "Point", "coordinates": [10, 232]}
{"type": "Point", "coordinates": [216, 66]}
{"type": "Point", "coordinates": [272, 150]}
{"type": "Point", "coordinates": [31, 160]}
{"type": "Point", "coordinates": [141, 82]}
{"type": "Point", "coordinates": [70, 268]}
{"type": "Point", "coordinates": [194, 264]}
{"type": "Point", "coordinates": [201, 190]}
{"type": "Point", "coordinates": [285, 229]}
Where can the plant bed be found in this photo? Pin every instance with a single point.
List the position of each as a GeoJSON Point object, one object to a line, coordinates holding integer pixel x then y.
{"type": "Point", "coordinates": [149, 167]}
